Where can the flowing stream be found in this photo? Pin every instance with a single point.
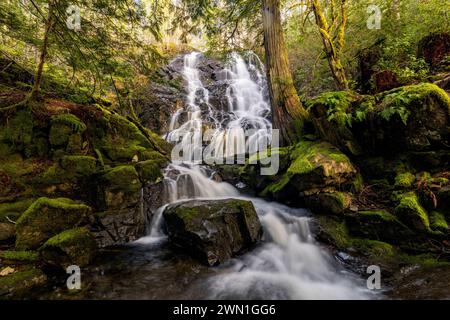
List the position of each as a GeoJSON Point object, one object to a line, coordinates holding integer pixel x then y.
{"type": "Point", "coordinates": [289, 264]}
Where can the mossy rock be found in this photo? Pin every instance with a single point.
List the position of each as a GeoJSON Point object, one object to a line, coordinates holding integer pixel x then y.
{"type": "Point", "coordinates": [406, 119]}
{"type": "Point", "coordinates": [149, 171]}
{"type": "Point", "coordinates": [78, 166]}
{"type": "Point", "coordinates": [21, 282]}
{"type": "Point", "coordinates": [18, 132]}
{"type": "Point", "coordinates": [120, 187]}
{"type": "Point", "coordinates": [412, 213]}
{"type": "Point", "coordinates": [46, 218]}
{"type": "Point", "coordinates": [213, 230]}
{"type": "Point", "coordinates": [63, 126]}
{"type": "Point", "coordinates": [314, 166]}
{"type": "Point", "coordinates": [14, 257]}
{"type": "Point", "coordinates": [329, 202]}
{"type": "Point", "coordinates": [438, 222]}
{"type": "Point", "coordinates": [379, 225]}
{"type": "Point", "coordinates": [404, 180]}
{"type": "Point", "coordinates": [71, 247]}
{"type": "Point", "coordinates": [13, 210]}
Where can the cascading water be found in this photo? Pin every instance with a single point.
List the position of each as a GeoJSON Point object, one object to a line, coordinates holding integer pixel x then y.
{"type": "Point", "coordinates": [289, 264]}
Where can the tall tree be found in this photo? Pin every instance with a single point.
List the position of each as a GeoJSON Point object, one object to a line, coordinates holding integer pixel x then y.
{"type": "Point", "coordinates": [333, 36]}
{"type": "Point", "coordinates": [287, 110]}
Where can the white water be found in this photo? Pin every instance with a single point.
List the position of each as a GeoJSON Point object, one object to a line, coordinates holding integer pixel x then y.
{"type": "Point", "coordinates": [289, 264]}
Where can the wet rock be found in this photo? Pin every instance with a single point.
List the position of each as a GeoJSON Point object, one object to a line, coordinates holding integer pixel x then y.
{"type": "Point", "coordinates": [46, 218]}
{"type": "Point", "coordinates": [71, 247]}
{"type": "Point", "coordinates": [21, 282]}
{"type": "Point", "coordinates": [214, 230]}
{"type": "Point", "coordinates": [121, 226]}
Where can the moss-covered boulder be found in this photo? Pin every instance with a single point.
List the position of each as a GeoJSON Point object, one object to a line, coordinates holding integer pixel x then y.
{"type": "Point", "coordinates": [71, 247]}
{"type": "Point", "coordinates": [329, 202]}
{"type": "Point", "coordinates": [214, 230]}
{"type": "Point", "coordinates": [412, 118]}
{"type": "Point", "coordinates": [21, 282]}
{"type": "Point", "coordinates": [46, 218]}
{"type": "Point", "coordinates": [120, 187]}
{"type": "Point", "coordinates": [378, 225]}
{"type": "Point", "coordinates": [314, 167]}
{"type": "Point", "coordinates": [438, 222]}
{"type": "Point", "coordinates": [65, 131]}
{"type": "Point", "coordinates": [410, 212]}
{"type": "Point", "coordinates": [149, 171]}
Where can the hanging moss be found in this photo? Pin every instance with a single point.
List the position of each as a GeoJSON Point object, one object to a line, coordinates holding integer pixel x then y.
{"type": "Point", "coordinates": [14, 210]}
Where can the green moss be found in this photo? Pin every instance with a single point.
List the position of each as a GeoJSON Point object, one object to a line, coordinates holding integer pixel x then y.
{"type": "Point", "coordinates": [411, 212]}
{"type": "Point", "coordinates": [19, 129]}
{"type": "Point", "coordinates": [63, 127]}
{"type": "Point", "coordinates": [22, 256]}
{"type": "Point", "coordinates": [79, 166]}
{"type": "Point", "coordinates": [378, 214]}
{"type": "Point", "coordinates": [337, 105]}
{"type": "Point", "coordinates": [153, 155]}
{"type": "Point", "coordinates": [149, 171]}
{"type": "Point", "coordinates": [123, 178]}
{"type": "Point", "coordinates": [402, 101]}
{"type": "Point", "coordinates": [306, 154]}
{"type": "Point", "coordinates": [18, 284]}
{"type": "Point", "coordinates": [404, 180]}
{"type": "Point", "coordinates": [438, 222]}
{"type": "Point", "coordinates": [377, 251]}
{"type": "Point", "coordinates": [71, 121]}
{"type": "Point", "coordinates": [336, 231]}
{"type": "Point", "coordinates": [14, 210]}
{"type": "Point", "coordinates": [47, 217]}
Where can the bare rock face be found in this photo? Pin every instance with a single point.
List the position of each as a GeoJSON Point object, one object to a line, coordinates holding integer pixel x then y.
{"type": "Point", "coordinates": [213, 230]}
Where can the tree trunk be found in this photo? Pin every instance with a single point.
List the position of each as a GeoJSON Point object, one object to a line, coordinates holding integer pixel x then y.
{"type": "Point", "coordinates": [287, 110]}
{"type": "Point", "coordinates": [35, 93]}
{"type": "Point", "coordinates": [333, 51]}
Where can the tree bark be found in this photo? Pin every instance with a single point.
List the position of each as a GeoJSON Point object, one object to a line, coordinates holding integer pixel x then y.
{"type": "Point", "coordinates": [35, 93]}
{"type": "Point", "coordinates": [333, 50]}
{"type": "Point", "coordinates": [287, 110]}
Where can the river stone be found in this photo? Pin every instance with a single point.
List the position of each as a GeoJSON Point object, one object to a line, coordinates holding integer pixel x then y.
{"type": "Point", "coordinates": [46, 218]}
{"type": "Point", "coordinates": [213, 230]}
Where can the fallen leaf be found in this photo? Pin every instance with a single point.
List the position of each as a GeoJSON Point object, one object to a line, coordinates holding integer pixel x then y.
{"type": "Point", "coordinates": [7, 271]}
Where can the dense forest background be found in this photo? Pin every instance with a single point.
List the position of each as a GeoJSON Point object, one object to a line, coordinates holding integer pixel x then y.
{"type": "Point", "coordinates": [115, 47]}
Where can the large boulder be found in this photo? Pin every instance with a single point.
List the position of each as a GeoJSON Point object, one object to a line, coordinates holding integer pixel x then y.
{"type": "Point", "coordinates": [46, 218]}
{"type": "Point", "coordinates": [315, 167]}
{"type": "Point", "coordinates": [213, 230]}
{"type": "Point", "coordinates": [407, 119]}
{"type": "Point", "coordinates": [71, 247]}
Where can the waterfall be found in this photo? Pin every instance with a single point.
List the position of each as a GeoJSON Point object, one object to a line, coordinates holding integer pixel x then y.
{"type": "Point", "coordinates": [289, 264]}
